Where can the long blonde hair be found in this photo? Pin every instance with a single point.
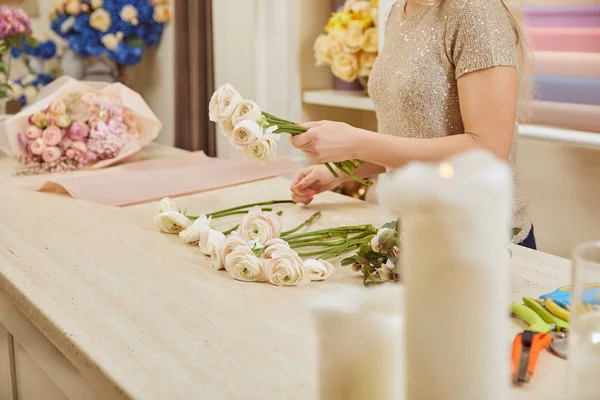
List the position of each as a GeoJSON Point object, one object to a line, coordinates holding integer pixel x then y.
{"type": "Point", "coordinates": [525, 54]}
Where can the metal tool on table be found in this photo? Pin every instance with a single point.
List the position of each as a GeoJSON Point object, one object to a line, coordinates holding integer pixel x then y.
{"type": "Point", "coordinates": [545, 329]}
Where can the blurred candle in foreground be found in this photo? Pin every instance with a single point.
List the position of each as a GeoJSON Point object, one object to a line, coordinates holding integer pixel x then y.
{"type": "Point", "coordinates": [360, 334]}
{"type": "Point", "coordinates": [456, 219]}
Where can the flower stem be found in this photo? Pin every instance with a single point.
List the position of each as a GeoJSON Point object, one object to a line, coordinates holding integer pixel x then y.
{"type": "Point", "coordinates": [302, 225]}
{"type": "Point", "coordinates": [223, 215]}
{"type": "Point", "coordinates": [317, 238]}
{"type": "Point", "coordinates": [302, 244]}
{"type": "Point", "coordinates": [230, 231]}
{"type": "Point", "coordinates": [330, 168]}
{"type": "Point", "coordinates": [343, 229]}
{"type": "Point", "coordinates": [227, 211]}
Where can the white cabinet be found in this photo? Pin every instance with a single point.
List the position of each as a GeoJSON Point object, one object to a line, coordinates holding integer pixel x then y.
{"type": "Point", "coordinates": [7, 373]}
{"type": "Point", "coordinates": [32, 382]}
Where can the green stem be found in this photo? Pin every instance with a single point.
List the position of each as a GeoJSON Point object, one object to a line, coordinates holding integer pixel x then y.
{"type": "Point", "coordinates": [330, 168]}
{"type": "Point", "coordinates": [339, 250]}
{"type": "Point", "coordinates": [317, 238]}
{"type": "Point", "coordinates": [223, 215]}
{"type": "Point", "coordinates": [345, 229]}
{"type": "Point", "coordinates": [302, 225]}
{"type": "Point", "coordinates": [318, 244]}
{"type": "Point", "coordinates": [341, 167]}
{"type": "Point", "coordinates": [229, 231]}
{"type": "Point", "coordinates": [217, 214]}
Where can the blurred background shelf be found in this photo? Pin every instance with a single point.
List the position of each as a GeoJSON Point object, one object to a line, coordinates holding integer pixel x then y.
{"type": "Point", "coordinates": [356, 100]}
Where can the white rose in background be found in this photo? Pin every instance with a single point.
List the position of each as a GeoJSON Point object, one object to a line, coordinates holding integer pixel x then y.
{"type": "Point", "coordinates": [263, 151]}
{"type": "Point", "coordinates": [260, 226]}
{"type": "Point", "coordinates": [354, 41]}
{"type": "Point", "coordinates": [213, 106]}
{"type": "Point", "coordinates": [318, 270]}
{"type": "Point", "coordinates": [366, 61]}
{"type": "Point", "coordinates": [165, 205]}
{"type": "Point", "coordinates": [197, 231]}
{"type": "Point", "coordinates": [172, 222]}
{"type": "Point", "coordinates": [243, 265]}
{"type": "Point", "coordinates": [247, 110]}
{"type": "Point", "coordinates": [285, 269]}
{"type": "Point", "coordinates": [227, 127]}
{"type": "Point", "coordinates": [273, 246]}
{"type": "Point", "coordinates": [223, 250]}
{"type": "Point", "coordinates": [211, 242]}
{"type": "Point", "coordinates": [335, 40]}
{"type": "Point", "coordinates": [322, 52]}
{"type": "Point", "coordinates": [246, 133]}
{"type": "Point", "coordinates": [229, 98]}
{"type": "Point", "coordinates": [370, 41]}
{"type": "Point", "coordinates": [345, 66]}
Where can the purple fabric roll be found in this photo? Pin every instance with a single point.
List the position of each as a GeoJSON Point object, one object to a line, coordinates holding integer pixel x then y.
{"type": "Point", "coordinates": [584, 15]}
{"type": "Point", "coordinates": [339, 84]}
{"type": "Point", "coordinates": [567, 89]}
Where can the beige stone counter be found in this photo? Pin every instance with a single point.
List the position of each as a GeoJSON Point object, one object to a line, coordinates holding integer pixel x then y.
{"type": "Point", "coordinates": [139, 315]}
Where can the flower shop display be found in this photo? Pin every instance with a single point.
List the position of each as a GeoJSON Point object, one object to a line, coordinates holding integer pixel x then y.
{"type": "Point", "coordinates": [15, 28]}
{"type": "Point", "coordinates": [26, 88]}
{"type": "Point", "coordinates": [74, 125]}
{"type": "Point", "coordinates": [257, 249]}
{"type": "Point", "coordinates": [255, 132]}
{"type": "Point", "coordinates": [350, 43]}
{"type": "Point", "coordinates": [116, 31]}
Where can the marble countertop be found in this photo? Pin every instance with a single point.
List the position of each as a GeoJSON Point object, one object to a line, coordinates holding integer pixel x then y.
{"type": "Point", "coordinates": [141, 315]}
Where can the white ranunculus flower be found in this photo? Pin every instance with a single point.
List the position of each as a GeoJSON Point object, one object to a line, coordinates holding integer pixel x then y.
{"type": "Point", "coordinates": [210, 242]}
{"type": "Point", "coordinates": [213, 106]}
{"type": "Point", "coordinates": [318, 270]}
{"type": "Point", "coordinates": [172, 222]}
{"type": "Point", "coordinates": [274, 245]}
{"type": "Point", "coordinates": [165, 205]}
{"type": "Point", "coordinates": [228, 100]}
{"type": "Point", "coordinates": [223, 250]}
{"type": "Point", "coordinates": [227, 127]}
{"type": "Point", "coordinates": [263, 151]}
{"type": "Point", "coordinates": [260, 226]}
{"type": "Point", "coordinates": [285, 269]}
{"type": "Point", "coordinates": [197, 231]}
{"type": "Point", "coordinates": [243, 265]}
{"type": "Point", "coordinates": [247, 110]}
{"type": "Point", "coordinates": [246, 133]}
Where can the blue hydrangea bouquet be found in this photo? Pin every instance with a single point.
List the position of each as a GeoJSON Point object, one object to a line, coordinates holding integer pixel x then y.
{"type": "Point", "coordinates": [113, 31]}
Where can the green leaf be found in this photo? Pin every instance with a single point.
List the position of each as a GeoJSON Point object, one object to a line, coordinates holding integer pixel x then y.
{"type": "Point", "coordinates": [136, 41]}
{"type": "Point", "coordinates": [30, 40]}
{"type": "Point", "coordinates": [364, 250]}
{"type": "Point", "coordinates": [4, 67]}
{"type": "Point", "coordinates": [7, 86]}
{"type": "Point", "coordinates": [3, 94]}
{"type": "Point", "coordinates": [348, 261]}
{"type": "Point", "coordinates": [516, 231]}
{"type": "Point", "coordinates": [390, 225]}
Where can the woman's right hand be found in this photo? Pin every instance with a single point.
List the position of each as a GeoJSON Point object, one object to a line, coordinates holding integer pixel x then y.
{"type": "Point", "coordinates": [313, 180]}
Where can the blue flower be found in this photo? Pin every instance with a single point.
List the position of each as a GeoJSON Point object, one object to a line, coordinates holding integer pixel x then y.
{"type": "Point", "coordinates": [22, 100]}
{"type": "Point", "coordinates": [82, 23]}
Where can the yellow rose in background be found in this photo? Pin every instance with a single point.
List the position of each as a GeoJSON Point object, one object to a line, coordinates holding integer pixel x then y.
{"type": "Point", "coordinates": [345, 66]}
{"type": "Point", "coordinates": [366, 61]}
{"type": "Point", "coordinates": [162, 13]}
{"type": "Point", "coordinates": [370, 41]}
{"type": "Point", "coordinates": [354, 41]}
{"type": "Point", "coordinates": [336, 40]}
{"type": "Point", "coordinates": [337, 21]}
{"type": "Point", "coordinates": [100, 20]}
{"type": "Point", "coordinates": [96, 3]}
{"type": "Point", "coordinates": [322, 52]}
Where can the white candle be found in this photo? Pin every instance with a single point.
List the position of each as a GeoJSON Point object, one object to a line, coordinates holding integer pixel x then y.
{"type": "Point", "coordinates": [455, 223]}
{"type": "Point", "coordinates": [360, 335]}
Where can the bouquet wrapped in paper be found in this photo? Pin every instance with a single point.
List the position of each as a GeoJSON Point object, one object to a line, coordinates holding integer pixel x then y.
{"type": "Point", "coordinates": [74, 124]}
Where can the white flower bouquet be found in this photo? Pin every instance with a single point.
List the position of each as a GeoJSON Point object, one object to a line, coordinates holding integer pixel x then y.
{"type": "Point", "coordinates": [257, 250]}
{"type": "Point", "coordinates": [255, 132]}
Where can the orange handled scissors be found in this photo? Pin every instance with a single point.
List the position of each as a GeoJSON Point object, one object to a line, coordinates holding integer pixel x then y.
{"type": "Point", "coordinates": [526, 349]}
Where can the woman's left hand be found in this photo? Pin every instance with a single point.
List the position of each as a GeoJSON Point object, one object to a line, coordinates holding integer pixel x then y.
{"type": "Point", "coordinates": [328, 141]}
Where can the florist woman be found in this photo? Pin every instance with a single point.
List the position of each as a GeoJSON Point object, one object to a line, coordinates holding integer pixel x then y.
{"type": "Point", "coordinates": [453, 75]}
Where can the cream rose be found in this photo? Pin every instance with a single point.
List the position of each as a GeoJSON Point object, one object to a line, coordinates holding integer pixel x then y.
{"type": "Point", "coordinates": [57, 107]}
{"type": "Point", "coordinates": [260, 226]}
{"type": "Point", "coordinates": [197, 231]}
{"type": "Point", "coordinates": [370, 42]}
{"type": "Point", "coordinates": [345, 66]}
{"type": "Point", "coordinates": [211, 242]}
{"type": "Point", "coordinates": [30, 93]}
{"type": "Point", "coordinates": [335, 40]}
{"type": "Point", "coordinates": [367, 60]}
{"type": "Point", "coordinates": [246, 133]}
{"type": "Point", "coordinates": [228, 100]}
{"type": "Point", "coordinates": [96, 3]}
{"type": "Point", "coordinates": [172, 222]}
{"type": "Point", "coordinates": [100, 20]}
{"type": "Point", "coordinates": [243, 265]}
{"type": "Point", "coordinates": [162, 13]}
{"type": "Point", "coordinates": [247, 110]}
{"type": "Point", "coordinates": [353, 42]}
{"type": "Point", "coordinates": [165, 205]}
{"type": "Point", "coordinates": [223, 250]}
{"type": "Point", "coordinates": [110, 41]}
{"type": "Point", "coordinates": [274, 245]}
{"type": "Point", "coordinates": [285, 269]}
{"type": "Point", "coordinates": [263, 150]}
{"type": "Point", "coordinates": [318, 270]}
{"type": "Point", "coordinates": [129, 14]}
{"type": "Point", "coordinates": [227, 127]}
{"type": "Point", "coordinates": [73, 7]}
{"type": "Point", "coordinates": [322, 51]}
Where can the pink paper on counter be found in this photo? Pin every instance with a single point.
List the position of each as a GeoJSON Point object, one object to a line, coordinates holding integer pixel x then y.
{"type": "Point", "coordinates": [152, 180]}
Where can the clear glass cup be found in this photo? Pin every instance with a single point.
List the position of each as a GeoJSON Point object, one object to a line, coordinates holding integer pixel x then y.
{"type": "Point", "coordinates": [584, 334]}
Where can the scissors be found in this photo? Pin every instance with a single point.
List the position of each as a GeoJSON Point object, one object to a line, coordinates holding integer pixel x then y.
{"type": "Point", "coordinates": [591, 294]}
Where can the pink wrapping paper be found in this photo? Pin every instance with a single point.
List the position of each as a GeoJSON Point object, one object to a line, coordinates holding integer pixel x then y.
{"type": "Point", "coordinates": [584, 65]}
{"type": "Point", "coordinates": [152, 180]}
{"type": "Point", "coordinates": [579, 117]}
{"type": "Point", "coordinates": [584, 40]}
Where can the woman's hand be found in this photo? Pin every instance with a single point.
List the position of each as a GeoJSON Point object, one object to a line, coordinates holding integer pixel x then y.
{"type": "Point", "coordinates": [327, 141]}
{"type": "Point", "coordinates": [313, 180]}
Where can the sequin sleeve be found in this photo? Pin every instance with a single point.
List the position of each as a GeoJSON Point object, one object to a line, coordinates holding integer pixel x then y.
{"type": "Point", "coordinates": [483, 36]}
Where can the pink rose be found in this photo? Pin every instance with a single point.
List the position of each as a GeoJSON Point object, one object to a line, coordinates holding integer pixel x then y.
{"type": "Point", "coordinates": [116, 127]}
{"type": "Point", "coordinates": [65, 143]}
{"type": "Point", "coordinates": [51, 154]}
{"type": "Point", "coordinates": [90, 157]}
{"type": "Point", "coordinates": [99, 130]}
{"type": "Point", "coordinates": [62, 120]}
{"type": "Point", "coordinates": [52, 135]}
{"type": "Point", "coordinates": [130, 119]}
{"type": "Point", "coordinates": [93, 112]}
{"type": "Point", "coordinates": [78, 131]}
{"type": "Point", "coordinates": [33, 132]}
{"type": "Point", "coordinates": [70, 154]}
{"type": "Point", "coordinates": [57, 107]}
{"type": "Point", "coordinates": [89, 98]}
{"type": "Point", "coordinates": [39, 119]}
{"type": "Point", "coordinates": [37, 147]}
{"type": "Point", "coordinates": [80, 148]}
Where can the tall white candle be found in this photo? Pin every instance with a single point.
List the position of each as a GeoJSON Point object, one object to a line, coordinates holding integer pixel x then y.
{"type": "Point", "coordinates": [360, 334]}
{"type": "Point", "coordinates": [455, 223]}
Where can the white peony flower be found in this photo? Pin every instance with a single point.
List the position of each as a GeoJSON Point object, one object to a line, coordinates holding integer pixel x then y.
{"type": "Point", "coordinates": [228, 100]}
{"type": "Point", "coordinates": [172, 222]}
{"type": "Point", "coordinates": [243, 265]}
{"type": "Point", "coordinates": [318, 270]}
{"type": "Point", "coordinates": [210, 242]}
{"type": "Point", "coordinates": [246, 133]}
{"type": "Point", "coordinates": [275, 245]}
{"type": "Point", "coordinates": [260, 226]}
{"type": "Point", "coordinates": [198, 230]}
{"type": "Point", "coordinates": [247, 110]}
{"type": "Point", "coordinates": [224, 249]}
{"type": "Point", "coordinates": [165, 205]}
{"type": "Point", "coordinates": [263, 150]}
{"type": "Point", "coordinates": [285, 269]}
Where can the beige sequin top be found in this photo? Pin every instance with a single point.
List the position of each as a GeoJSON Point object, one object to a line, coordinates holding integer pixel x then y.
{"type": "Point", "coordinates": [413, 83]}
